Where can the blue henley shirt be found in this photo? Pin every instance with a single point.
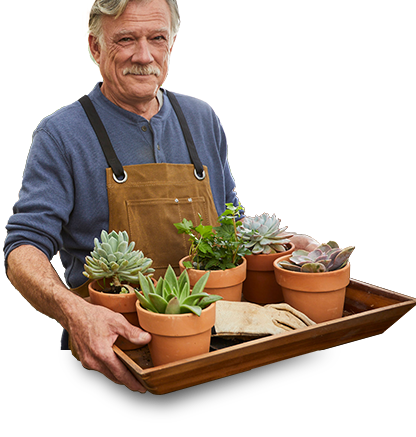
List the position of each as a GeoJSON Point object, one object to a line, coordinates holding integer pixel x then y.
{"type": "Point", "coordinates": [63, 202]}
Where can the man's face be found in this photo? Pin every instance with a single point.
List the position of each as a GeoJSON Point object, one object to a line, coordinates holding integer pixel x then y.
{"type": "Point", "coordinates": [136, 42]}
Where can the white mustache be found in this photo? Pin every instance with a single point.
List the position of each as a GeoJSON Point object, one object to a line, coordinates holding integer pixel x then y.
{"type": "Point", "coordinates": [142, 70]}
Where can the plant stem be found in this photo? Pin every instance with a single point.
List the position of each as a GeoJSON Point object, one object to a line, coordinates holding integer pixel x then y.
{"type": "Point", "coordinates": [116, 281]}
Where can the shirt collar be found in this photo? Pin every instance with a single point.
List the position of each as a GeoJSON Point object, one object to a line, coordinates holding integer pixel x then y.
{"type": "Point", "coordinates": [98, 98]}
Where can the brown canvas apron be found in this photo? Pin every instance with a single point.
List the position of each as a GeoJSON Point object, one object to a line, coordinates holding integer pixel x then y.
{"type": "Point", "coordinates": [147, 199]}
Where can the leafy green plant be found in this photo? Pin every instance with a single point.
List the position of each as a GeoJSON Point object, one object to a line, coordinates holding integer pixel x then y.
{"type": "Point", "coordinates": [215, 248]}
{"type": "Point", "coordinates": [262, 234]}
{"type": "Point", "coordinates": [325, 258]}
{"type": "Point", "coordinates": [114, 259]}
{"type": "Point", "coordinates": [174, 296]}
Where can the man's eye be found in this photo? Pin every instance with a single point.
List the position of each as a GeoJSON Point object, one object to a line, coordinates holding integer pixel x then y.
{"type": "Point", "coordinates": [159, 38]}
{"type": "Point", "coordinates": [125, 39]}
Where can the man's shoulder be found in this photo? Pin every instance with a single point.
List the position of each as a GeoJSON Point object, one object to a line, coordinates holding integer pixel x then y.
{"type": "Point", "coordinates": [192, 104]}
{"type": "Point", "coordinates": [64, 118]}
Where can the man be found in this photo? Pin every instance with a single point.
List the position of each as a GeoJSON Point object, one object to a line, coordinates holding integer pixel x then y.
{"type": "Point", "coordinates": [130, 156]}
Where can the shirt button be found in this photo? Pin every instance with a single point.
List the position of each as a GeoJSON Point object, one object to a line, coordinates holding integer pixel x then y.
{"type": "Point", "coordinates": [144, 128]}
{"type": "Point", "coordinates": [158, 147]}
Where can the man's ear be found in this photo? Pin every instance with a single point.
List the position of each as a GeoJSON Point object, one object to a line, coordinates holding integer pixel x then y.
{"type": "Point", "coordinates": [171, 47]}
{"type": "Point", "coordinates": [95, 48]}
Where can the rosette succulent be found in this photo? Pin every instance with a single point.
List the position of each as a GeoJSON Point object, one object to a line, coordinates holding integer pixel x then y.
{"type": "Point", "coordinates": [325, 258]}
{"type": "Point", "coordinates": [174, 296]}
{"type": "Point", "coordinates": [262, 234]}
{"type": "Point", "coordinates": [115, 258]}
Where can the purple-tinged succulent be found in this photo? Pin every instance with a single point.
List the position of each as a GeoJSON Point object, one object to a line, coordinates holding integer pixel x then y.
{"type": "Point", "coordinates": [325, 258]}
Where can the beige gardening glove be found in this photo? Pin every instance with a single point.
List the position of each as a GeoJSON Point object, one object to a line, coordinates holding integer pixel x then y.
{"type": "Point", "coordinates": [248, 319]}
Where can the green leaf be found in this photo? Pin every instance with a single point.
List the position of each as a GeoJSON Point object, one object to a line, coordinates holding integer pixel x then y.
{"type": "Point", "coordinates": [185, 227]}
{"type": "Point", "coordinates": [193, 299]}
{"type": "Point", "coordinates": [158, 302]}
{"type": "Point", "coordinates": [159, 287]}
{"type": "Point", "coordinates": [206, 301]}
{"type": "Point", "coordinates": [170, 278]}
{"type": "Point", "coordinates": [183, 278]}
{"type": "Point", "coordinates": [145, 303]}
{"type": "Point", "coordinates": [205, 231]}
{"type": "Point", "coordinates": [200, 285]}
{"type": "Point", "coordinates": [173, 306]}
{"type": "Point", "coordinates": [146, 285]}
{"type": "Point", "coordinates": [185, 292]}
{"type": "Point", "coordinates": [191, 309]}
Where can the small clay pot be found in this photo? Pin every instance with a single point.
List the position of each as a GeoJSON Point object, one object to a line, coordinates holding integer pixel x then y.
{"type": "Point", "coordinates": [120, 303]}
{"type": "Point", "coordinates": [321, 296]}
{"type": "Point", "coordinates": [260, 285]}
{"type": "Point", "coordinates": [225, 283]}
{"type": "Point", "coordinates": [177, 336]}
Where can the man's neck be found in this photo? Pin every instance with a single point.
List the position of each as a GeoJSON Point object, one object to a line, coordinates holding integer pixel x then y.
{"type": "Point", "coordinates": [146, 109]}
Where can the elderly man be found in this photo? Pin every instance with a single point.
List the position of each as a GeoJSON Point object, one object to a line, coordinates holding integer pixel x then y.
{"type": "Point", "coordinates": [129, 156]}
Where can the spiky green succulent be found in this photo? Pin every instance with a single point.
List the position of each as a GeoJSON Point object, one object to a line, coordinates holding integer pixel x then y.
{"type": "Point", "coordinates": [325, 258]}
{"type": "Point", "coordinates": [174, 296]}
{"type": "Point", "coordinates": [115, 258]}
{"type": "Point", "coordinates": [262, 234]}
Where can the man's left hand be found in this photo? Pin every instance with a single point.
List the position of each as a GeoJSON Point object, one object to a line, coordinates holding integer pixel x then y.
{"type": "Point", "coordinates": [304, 242]}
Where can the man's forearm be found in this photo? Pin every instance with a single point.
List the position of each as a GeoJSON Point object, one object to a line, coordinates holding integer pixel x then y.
{"type": "Point", "coordinates": [30, 271]}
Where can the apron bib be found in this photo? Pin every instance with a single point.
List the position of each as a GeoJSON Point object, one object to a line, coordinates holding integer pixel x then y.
{"type": "Point", "coordinates": [147, 199]}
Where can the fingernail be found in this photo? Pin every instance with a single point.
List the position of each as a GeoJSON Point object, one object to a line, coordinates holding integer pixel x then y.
{"type": "Point", "coordinates": [145, 336]}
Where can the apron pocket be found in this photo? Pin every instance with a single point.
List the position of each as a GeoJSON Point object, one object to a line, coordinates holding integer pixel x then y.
{"type": "Point", "coordinates": [151, 226]}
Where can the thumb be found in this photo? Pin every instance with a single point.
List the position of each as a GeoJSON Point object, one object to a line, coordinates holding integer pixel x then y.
{"type": "Point", "coordinates": [134, 334]}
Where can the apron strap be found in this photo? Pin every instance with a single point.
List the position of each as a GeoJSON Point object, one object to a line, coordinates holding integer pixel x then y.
{"type": "Point", "coordinates": [119, 174]}
{"type": "Point", "coordinates": [103, 138]}
{"type": "Point", "coordinates": [199, 169]}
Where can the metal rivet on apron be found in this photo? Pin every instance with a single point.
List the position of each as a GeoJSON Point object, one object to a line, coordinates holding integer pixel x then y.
{"type": "Point", "coordinates": [176, 200]}
{"type": "Point", "coordinates": [121, 181]}
{"type": "Point", "coordinates": [189, 200]}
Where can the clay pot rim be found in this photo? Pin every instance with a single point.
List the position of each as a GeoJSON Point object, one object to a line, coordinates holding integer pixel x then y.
{"type": "Point", "coordinates": [138, 305]}
{"type": "Point", "coordinates": [173, 325]}
{"type": "Point", "coordinates": [263, 262]}
{"type": "Point", "coordinates": [315, 275]}
{"type": "Point", "coordinates": [240, 266]}
{"type": "Point", "coordinates": [292, 246]}
{"type": "Point", "coordinates": [218, 279]}
{"type": "Point", "coordinates": [109, 295]}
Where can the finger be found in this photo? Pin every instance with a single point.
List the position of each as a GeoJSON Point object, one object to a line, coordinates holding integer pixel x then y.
{"type": "Point", "coordinates": [122, 375]}
{"type": "Point", "coordinates": [133, 333]}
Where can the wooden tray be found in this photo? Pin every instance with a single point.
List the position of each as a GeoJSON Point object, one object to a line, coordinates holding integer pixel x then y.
{"type": "Point", "coordinates": [368, 311]}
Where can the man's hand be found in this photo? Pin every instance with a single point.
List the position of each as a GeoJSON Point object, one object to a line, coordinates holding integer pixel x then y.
{"type": "Point", "coordinates": [93, 331]}
{"type": "Point", "coordinates": [304, 242]}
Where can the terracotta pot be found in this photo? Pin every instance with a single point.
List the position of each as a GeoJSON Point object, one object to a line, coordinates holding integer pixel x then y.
{"type": "Point", "coordinates": [119, 303]}
{"type": "Point", "coordinates": [225, 283]}
{"type": "Point", "coordinates": [320, 296]}
{"type": "Point", "coordinates": [260, 285]}
{"type": "Point", "coordinates": [177, 336]}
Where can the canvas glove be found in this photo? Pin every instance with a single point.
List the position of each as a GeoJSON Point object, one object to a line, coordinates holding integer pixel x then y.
{"type": "Point", "coordinates": [248, 319]}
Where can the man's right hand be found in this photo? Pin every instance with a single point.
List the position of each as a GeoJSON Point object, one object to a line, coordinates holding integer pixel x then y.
{"type": "Point", "coordinates": [93, 331]}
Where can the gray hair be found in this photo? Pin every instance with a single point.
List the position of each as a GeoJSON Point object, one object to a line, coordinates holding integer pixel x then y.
{"type": "Point", "coordinates": [116, 7]}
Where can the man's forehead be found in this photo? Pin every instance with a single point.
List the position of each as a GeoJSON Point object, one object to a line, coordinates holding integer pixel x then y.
{"type": "Point", "coordinates": [135, 23]}
{"type": "Point", "coordinates": [133, 30]}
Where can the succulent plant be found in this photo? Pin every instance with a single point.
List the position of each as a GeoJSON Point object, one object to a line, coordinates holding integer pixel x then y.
{"type": "Point", "coordinates": [261, 234]}
{"type": "Point", "coordinates": [174, 296]}
{"type": "Point", "coordinates": [115, 258]}
{"type": "Point", "coordinates": [325, 258]}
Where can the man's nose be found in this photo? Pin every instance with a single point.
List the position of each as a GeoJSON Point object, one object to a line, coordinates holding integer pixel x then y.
{"type": "Point", "coordinates": [142, 53]}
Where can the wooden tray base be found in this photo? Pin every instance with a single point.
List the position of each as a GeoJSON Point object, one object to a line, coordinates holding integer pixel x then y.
{"type": "Point", "coordinates": [368, 311]}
